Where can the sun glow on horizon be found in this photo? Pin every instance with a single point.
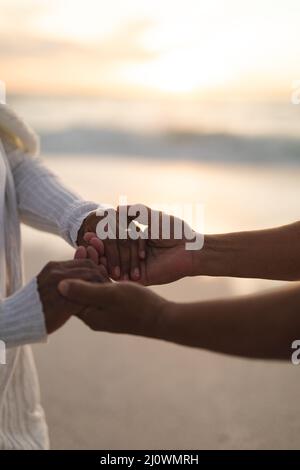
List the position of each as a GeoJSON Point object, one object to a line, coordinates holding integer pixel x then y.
{"type": "Point", "coordinates": [171, 47]}
{"type": "Point", "coordinates": [177, 72]}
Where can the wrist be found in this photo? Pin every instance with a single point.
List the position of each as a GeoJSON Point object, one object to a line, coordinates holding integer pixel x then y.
{"type": "Point", "coordinates": [80, 234]}
{"type": "Point", "coordinates": [90, 221]}
{"type": "Point", "coordinates": [88, 224]}
{"type": "Point", "coordinates": [164, 320]}
{"type": "Point", "coordinates": [214, 259]}
{"type": "Point", "coordinates": [22, 321]}
{"type": "Point", "coordinates": [200, 258]}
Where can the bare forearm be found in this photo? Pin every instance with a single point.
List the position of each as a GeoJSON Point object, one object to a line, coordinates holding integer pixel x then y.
{"type": "Point", "coordinates": [257, 326]}
{"type": "Point", "coordinates": [267, 254]}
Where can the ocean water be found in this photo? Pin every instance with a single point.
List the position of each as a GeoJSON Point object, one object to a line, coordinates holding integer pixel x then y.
{"type": "Point", "coordinates": [226, 132]}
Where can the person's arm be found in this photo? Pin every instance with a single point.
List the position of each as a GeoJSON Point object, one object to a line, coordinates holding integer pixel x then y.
{"type": "Point", "coordinates": [37, 309]}
{"type": "Point", "coordinates": [267, 254]}
{"type": "Point", "coordinates": [254, 326]}
{"type": "Point", "coordinates": [22, 319]}
{"type": "Point", "coordinates": [44, 202]}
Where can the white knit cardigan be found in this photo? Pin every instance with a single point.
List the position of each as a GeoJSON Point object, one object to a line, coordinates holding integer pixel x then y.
{"type": "Point", "coordinates": [22, 422]}
{"type": "Point", "coordinates": [34, 192]}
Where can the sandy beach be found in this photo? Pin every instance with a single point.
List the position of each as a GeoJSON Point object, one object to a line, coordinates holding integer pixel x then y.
{"type": "Point", "coordinates": [117, 392]}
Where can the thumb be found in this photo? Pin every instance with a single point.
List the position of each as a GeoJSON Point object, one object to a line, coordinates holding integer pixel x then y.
{"type": "Point", "coordinates": [87, 293]}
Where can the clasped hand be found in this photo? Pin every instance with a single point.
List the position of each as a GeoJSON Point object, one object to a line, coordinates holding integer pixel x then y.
{"type": "Point", "coordinates": [85, 289]}
{"type": "Point", "coordinates": [147, 261]}
{"type": "Point", "coordinates": [126, 307]}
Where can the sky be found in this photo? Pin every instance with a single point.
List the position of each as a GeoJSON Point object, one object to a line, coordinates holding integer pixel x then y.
{"type": "Point", "coordinates": [219, 48]}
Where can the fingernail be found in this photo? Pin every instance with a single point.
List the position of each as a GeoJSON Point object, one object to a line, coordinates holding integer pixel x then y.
{"type": "Point", "coordinates": [117, 271]}
{"type": "Point", "coordinates": [143, 254]}
{"type": "Point", "coordinates": [136, 273]}
{"type": "Point", "coordinates": [63, 287]}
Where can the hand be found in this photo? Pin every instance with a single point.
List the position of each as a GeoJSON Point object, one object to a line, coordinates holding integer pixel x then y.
{"type": "Point", "coordinates": [121, 257]}
{"type": "Point", "coordinates": [117, 307]}
{"type": "Point", "coordinates": [166, 260]}
{"type": "Point", "coordinates": [57, 309]}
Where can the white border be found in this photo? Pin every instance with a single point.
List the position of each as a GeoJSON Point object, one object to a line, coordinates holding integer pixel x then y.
{"type": "Point", "coordinates": [2, 92]}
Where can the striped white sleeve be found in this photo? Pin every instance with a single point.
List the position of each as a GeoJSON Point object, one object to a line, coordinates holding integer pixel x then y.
{"type": "Point", "coordinates": [44, 202]}
{"type": "Point", "coordinates": [22, 319]}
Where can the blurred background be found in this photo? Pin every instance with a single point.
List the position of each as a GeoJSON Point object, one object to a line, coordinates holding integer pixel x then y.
{"type": "Point", "coordinates": [163, 102]}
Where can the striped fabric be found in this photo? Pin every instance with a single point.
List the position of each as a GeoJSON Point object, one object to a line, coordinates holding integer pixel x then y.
{"type": "Point", "coordinates": [28, 190]}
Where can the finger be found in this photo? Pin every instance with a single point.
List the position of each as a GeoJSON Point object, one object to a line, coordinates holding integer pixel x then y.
{"type": "Point", "coordinates": [113, 258]}
{"type": "Point", "coordinates": [97, 273]}
{"type": "Point", "coordinates": [87, 293]}
{"type": "Point", "coordinates": [104, 273]}
{"type": "Point", "coordinates": [97, 244]}
{"type": "Point", "coordinates": [95, 276]}
{"type": "Point", "coordinates": [125, 255]}
{"type": "Point", "coordinates": [96, 270]}
{"type": "Point", "coordinates": [94, 318]}
{"type": "Point", "coordinates": [74, 263]}
{"type": "Point", "coordinates": [62, 270]}
{"type": "Point", "coordinates": [142, 248]}
{"type": "Point", "coordinates": [134, 261]}
{"type": "Point", "coordinates": [80, 253]}
{"type": "Point", "coordinates": [103, 261]}
{"type": "Point", "coordinates": [89, 235]}
{"type": "Point", "coordinates": [93, 254]}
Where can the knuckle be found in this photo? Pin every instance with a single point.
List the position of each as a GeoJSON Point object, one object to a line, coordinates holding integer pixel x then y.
{"type": "Point", "coordinates": [56, 275]}
{"type": "Point", "coordinates": [88, 263]}
{"type": "Point", "coordinates": [51, 265]}
{"type": "Point", "coordinates": [102, 270]}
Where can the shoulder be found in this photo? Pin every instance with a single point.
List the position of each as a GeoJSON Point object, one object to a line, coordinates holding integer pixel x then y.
{"type": "Point", "coordinates": [14, 128]}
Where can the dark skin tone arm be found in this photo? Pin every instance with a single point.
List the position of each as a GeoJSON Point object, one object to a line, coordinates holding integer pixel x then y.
{"type": "Point", "coordinates": [266, 254]}
{"type": "Point", "coordinates": [255, 326]}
